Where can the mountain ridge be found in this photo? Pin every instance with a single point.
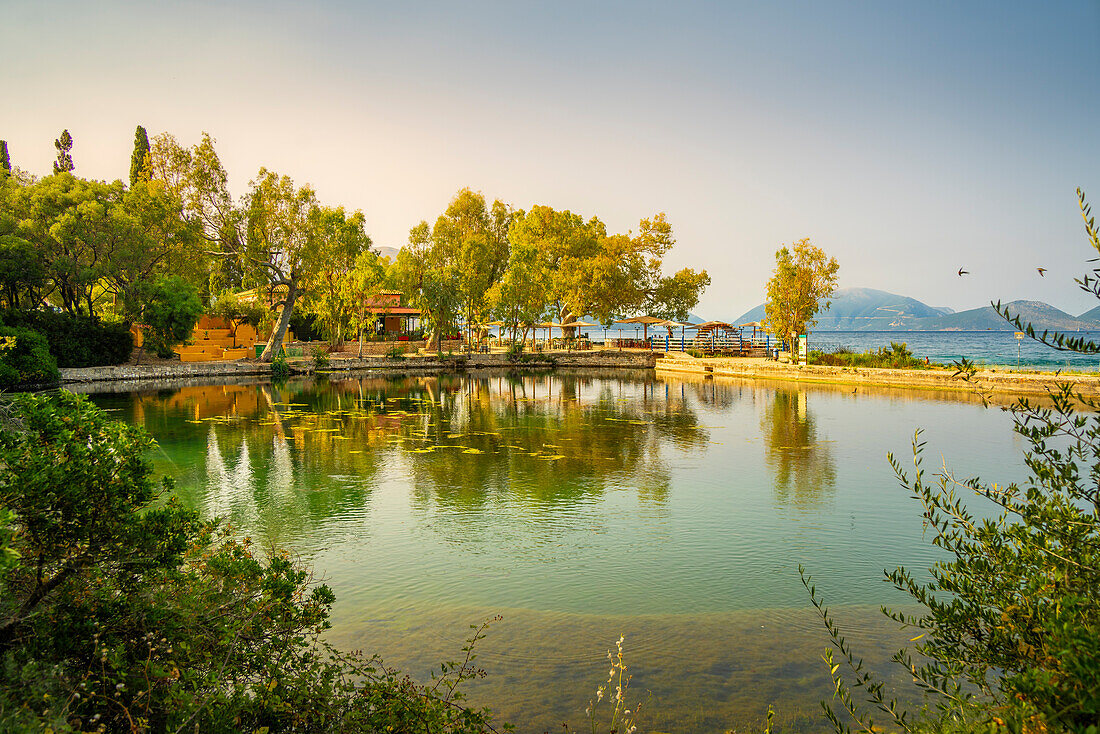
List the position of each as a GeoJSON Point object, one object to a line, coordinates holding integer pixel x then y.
{"type": "Point", "coordinates": [870, 309]}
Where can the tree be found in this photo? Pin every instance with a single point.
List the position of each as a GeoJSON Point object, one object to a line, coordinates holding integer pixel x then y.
{"type": "Point", "coordinates": [587, 271]}
{"type": "Point", "coordinates": [5, 160]}
{"type": "Point", "coordinates": [139, 159]}
{"type": "Point", "coordinates": [360, 289]}
{"type": "Point", "coordinates": [1008, 632]}
{"type": "Point", "coordinates": [427, 277]}
{"type": "Point", "coordinates": [64, 145]}
{"type": "Point", "coordinates": [237, 312]}
{"type": "Point", "coordinates": [281, 243]}
{"type": "Point", "coordinates": [339, 239]}
{"type": "Point", "coordinates": [803, 281]}
{"type": "Point", "coordinates": [167, 310]}
{"type": "Point", "coordinates": [470, 242]}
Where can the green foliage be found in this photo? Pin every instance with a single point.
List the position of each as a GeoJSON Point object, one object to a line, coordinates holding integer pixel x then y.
{"type": "Point", "coordinates": [5, 159]}
{"type": "Point", "coordinates": [804, 279]}
{"type": "Point", "coordinates": [76, 341]}
{"type": "Point", "coordinates": [280, 368]}
{"type": "Point", "coordinates": [120, 611]}
{"type": "Point", "coordinates": [320, 357]}
{"type": "Point", "coordinates": [22, 273]}
{"type": "Point", "coordinates": [1008, 632]}
{"type": "Point", "coordinates": [514, 353]}
{"type": "Point", "coordinates": [167, 309]}
{"type": "Point", "coordinates": [64, 145]}
{"type": "Point", "coordinates": [99, 240]}
{"type": "Point", "coordinates": [139, 159]}
{"type": "Point", "coordinates": [896, 356]}
{"type": "Point", "coordinates": [395, 352]}
{"type": "Point", "coordinates": [27, 361]}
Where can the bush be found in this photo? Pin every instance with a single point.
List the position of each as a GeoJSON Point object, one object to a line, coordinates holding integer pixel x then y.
{"type": "Point", "coordinates": [395, 352]}
{"type": "Point", "coordinates": [896, 356]}
{"type": "Point", "coordinates": [168, 309]}
{"type": "Point", "coordinates": [280, 368]}
{"type": "Point", "coordinates": [25, 358]}
{"type": "Point", "coordinates": [320, 356]}
{"type": "Point", "coordinates": [1008, 629]}
{"type": "Point", "coordinates": [120, 611]}
{"type": "Point", "coordinates": [76, 341]}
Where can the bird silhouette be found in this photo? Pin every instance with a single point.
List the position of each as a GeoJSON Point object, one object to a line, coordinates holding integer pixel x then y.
{"type": "Point", "coordinates": [963, 272]}
{"type": "Point", "coordinates": [1041, 272]}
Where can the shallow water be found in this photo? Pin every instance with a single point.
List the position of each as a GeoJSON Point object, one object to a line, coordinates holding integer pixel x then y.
{"type": "Point", "coordinates": [580, 506]}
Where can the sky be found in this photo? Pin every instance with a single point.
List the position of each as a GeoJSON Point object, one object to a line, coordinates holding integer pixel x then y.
{"type": "Point", "coordinates": [905, 139]}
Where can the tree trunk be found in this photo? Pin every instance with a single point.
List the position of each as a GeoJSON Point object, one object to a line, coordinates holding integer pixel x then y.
{"type": "Point", "coordinates": [275, 341]}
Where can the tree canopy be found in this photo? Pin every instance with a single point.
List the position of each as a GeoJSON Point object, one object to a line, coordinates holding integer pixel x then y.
{"type": "Point", "coordinates": [804, 279]}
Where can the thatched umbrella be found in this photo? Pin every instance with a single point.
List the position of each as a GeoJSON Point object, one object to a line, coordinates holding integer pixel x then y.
{"type": "Point", "coordinates": [645, 321]}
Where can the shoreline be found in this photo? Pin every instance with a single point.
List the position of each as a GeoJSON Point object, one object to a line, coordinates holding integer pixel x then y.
{"type": "Point", "coordinates": [990, 381]}
{"type": "Point", "coordinates": [986, 381]}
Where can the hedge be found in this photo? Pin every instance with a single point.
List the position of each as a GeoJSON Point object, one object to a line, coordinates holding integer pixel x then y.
{"type": "Point", "coordinates": [29, 362]}
{"type": "Point", "coordinates": [76, 341]}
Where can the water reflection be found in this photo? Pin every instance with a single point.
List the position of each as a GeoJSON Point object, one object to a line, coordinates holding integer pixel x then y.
{"type": "Point", "coordinates": [801, 461]}
{"type": "Point", "coordinates": [278, 460]}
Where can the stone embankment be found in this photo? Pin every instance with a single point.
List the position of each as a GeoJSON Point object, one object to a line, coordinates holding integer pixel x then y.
{"type": "Point", "coordinates": [937, 379]}
{"type": "Point", "coordinates": [174, 371]}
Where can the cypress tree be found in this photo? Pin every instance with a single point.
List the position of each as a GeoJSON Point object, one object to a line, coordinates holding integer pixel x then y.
{"type": "Point", "coordinates": [64, 145]}
{"type": "Point", "coordinates": [5, 161]}
{"type": "Point", "coordinates": [139, 161]}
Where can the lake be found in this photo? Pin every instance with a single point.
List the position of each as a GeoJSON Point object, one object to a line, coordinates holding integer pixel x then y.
{"type": "Point", "coordinates": [581, 506]}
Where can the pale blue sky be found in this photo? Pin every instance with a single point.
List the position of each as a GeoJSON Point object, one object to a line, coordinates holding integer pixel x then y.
{"type": "Point", "coordinates": [906, 139]}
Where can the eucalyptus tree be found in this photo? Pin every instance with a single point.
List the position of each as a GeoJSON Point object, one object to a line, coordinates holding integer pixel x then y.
{"type": "Point", "coordinates": [804, 279]}
{"type": "Point", "coordinates": [585, 270]}
{"type": "Point", "coordinates": [198, 179]}
{"type": "Point", "coordinates": [427, 277]}
{"type": "Point", "coordinates": [471, 240]}
{"type": "Point", "coordinates": [340, 241]}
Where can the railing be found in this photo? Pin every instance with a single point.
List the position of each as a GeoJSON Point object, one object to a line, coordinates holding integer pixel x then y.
{"type": "Point", "coordinates": [724, 343]}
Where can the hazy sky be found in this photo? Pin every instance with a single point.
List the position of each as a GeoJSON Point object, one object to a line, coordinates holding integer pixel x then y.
{"type": "Point", "coordinates": [906, 139]}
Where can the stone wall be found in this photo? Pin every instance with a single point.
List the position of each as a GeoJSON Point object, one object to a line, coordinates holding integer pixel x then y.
{"type": "Point", "coordinates": [942, 379]}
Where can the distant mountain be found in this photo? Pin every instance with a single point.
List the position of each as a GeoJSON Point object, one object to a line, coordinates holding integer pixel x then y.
{"type": "Point", "coordinates": [867, 309]}
{"type": "Point", "coordinates": [1038, 314]}
{"type": "Point", "coordinates": [390, 252]}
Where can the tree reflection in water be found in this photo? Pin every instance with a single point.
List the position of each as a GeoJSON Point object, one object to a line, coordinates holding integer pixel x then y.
{"type": "Point", "coordinates": [802, 462]}
{"type": "Point", "coordinates": [277, 461]}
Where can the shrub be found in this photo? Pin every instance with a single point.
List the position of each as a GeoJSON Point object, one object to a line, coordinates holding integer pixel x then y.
{"type": "Point", "coordinates": [25, 358]}
{"type": "Point", "coordinates": [168, 309]}
{"type": "Point", "coordinates": [1008, 629]}
{"type": "Point", "coordinates": [320, 356]}
{"type": "Point", "coordinates": [280, 368]}
{"type": "Point", "coordinates": [514, 352]}
{"type": "Point", "coordinates": [120, 611]}
{"type": "Point", "coordinates": [896, 356]}
{"type": "Point", "coordinates": [76, 341]}
{"type": "Point", "coordinates": [395, 352]}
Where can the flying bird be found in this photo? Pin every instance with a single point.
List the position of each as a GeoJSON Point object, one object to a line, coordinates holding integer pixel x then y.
{"type": "Point", "coordinates": [963, 272]}
{"type": "Point", "coordinates": [1041, 271]}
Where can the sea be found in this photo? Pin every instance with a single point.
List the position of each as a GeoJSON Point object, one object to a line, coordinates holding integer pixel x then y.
{"type": "Point", "coordinates": [994, 349]}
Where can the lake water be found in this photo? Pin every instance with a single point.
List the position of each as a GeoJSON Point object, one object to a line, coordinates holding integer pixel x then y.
{"type": "Point", "coordinates": [581, 506]}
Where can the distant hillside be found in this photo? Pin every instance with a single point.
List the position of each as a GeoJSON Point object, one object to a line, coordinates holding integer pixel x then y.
{"type": "Point", "coordinates": [390, 252]}
{"type": "Point", "coordinates": [867, 309]}
{"type": "Point", "coordinates": [1038, 314]}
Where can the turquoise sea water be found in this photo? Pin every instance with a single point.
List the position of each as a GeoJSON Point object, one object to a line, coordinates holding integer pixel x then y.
{"type": "Point", "coordinates": [582, 506]}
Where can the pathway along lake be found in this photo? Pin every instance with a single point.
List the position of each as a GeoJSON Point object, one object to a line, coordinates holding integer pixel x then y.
{"type": "Point", "coordinates": [580, 506]}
